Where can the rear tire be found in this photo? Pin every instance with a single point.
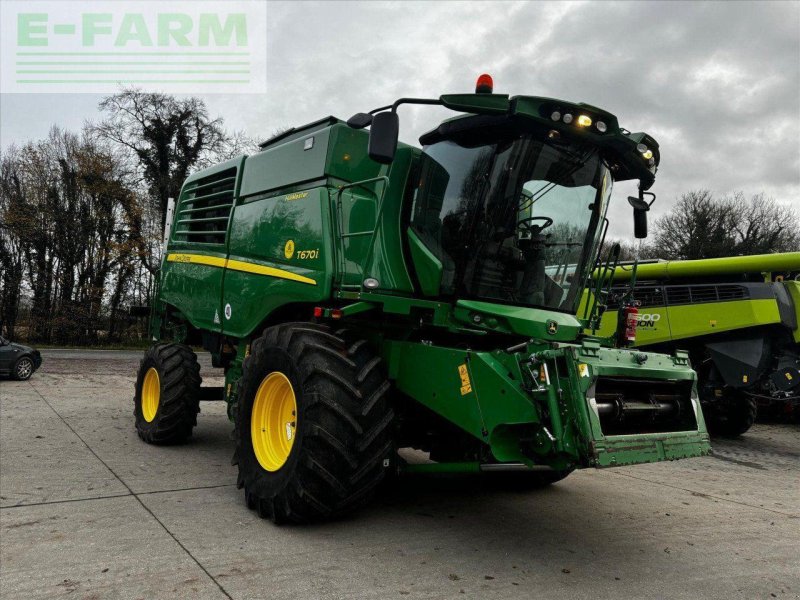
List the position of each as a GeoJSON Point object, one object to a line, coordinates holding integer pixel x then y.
{"type": "Point", "coordinates": [166, 400]}
{"type": "Point", "coordinates": [23, 368]}
{"type": "Point", "coordinates": [732, 417]}
{"type": "Point", "coordinates": [342, 440]}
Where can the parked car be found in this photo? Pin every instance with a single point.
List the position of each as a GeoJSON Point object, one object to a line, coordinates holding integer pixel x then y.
{"type": "Point", "coordinates": [17, 360]}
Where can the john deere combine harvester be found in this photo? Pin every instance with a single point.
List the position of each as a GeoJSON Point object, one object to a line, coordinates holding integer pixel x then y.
{"type": "Point", "coordinates": [364, 296]}
{"type": "Point", "coordinates": [739, 319]}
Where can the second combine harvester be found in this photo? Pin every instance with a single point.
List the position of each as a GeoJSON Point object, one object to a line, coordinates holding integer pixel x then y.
{"type": "Point", "coordinates": [739, 319]}
{"type": "Point", "coordinates": [364, 296]}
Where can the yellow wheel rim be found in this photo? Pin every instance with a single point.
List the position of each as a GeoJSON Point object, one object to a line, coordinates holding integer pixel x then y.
{"type": "Point", "coordinates": [273, 421]}
{"type": "Point", "coordinates": [151, 394]}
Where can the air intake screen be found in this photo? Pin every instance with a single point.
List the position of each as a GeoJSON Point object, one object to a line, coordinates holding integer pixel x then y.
{"type": "Point", "coordinates": [205, 208]}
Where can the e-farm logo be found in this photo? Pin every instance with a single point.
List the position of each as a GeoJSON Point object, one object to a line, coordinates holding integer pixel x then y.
{"type": "Point", "coordinates": [96, 47]}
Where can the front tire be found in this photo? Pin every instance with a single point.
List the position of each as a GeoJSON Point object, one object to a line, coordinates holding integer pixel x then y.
{"type": "Point", "coordinates": [734, 416]}
{"type": "Point", "coordinates": [166, 400]}
{"type": "Point", "coordinates": [23, 368]}
{"type": "Point", "coordinates": [314, 425]}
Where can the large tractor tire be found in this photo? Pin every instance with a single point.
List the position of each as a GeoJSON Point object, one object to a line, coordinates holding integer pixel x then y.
{"type": "Point", "coordinates": [733, 417]}
{"type": "Point", "coordinates": [167, 395]}
{"type": "Point", "coordinates": [314, 429]}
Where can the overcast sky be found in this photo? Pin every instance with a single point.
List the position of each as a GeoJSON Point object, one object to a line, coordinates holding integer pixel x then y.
{"type": "Point", "coordinates": [716, 83]}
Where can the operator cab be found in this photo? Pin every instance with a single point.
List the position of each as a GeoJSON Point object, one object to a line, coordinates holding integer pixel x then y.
{"type": "Point", "coordinates": [512, 211]}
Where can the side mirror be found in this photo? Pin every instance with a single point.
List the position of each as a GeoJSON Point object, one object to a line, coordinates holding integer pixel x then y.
{"type": "Point", "coordinates": [383, 137]}
{"type": "Point", "coordinates": [359, 120]}
{"type": "Point", "coordinates": [640, 210]}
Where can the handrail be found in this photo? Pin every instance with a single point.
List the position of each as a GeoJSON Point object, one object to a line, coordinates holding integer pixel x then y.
{"type": "Point", "coordinates": [343, 235]}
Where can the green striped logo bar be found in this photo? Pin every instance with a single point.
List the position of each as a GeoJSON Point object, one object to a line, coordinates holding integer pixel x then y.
{"type": "Point", "coordinates": [97, 47]}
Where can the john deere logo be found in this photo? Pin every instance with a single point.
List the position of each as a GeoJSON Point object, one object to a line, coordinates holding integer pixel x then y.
{"type": "Point", "coordinates": [552, 327]}
{"type": "Point", "coordinates": [288, 249]}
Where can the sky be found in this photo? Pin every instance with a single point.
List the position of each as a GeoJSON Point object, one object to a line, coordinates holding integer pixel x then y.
{"type": "Point", "coordinates": [716, 83]}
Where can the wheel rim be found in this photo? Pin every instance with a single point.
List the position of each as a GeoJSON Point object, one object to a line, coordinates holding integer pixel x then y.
{"type": "Point", "coordinates": [24, 368]}
{"type": "Point", "coordinates": [273, 421]}
{"type": "Point", "coordinates": [151, 394]}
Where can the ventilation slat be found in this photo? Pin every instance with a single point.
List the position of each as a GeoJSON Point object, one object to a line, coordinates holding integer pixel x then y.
{"type": "Point", "coordinates": [201, 232]}
{"type": "Point", "coordinates": [188, 211]}
{"type": "Point", "coordinates": [225, 181]}
{"type": "Point", "coordinates": [204, 220]}
{"type": "Point", "coordinates": [206, 223]}
{"type": "Point", "coordinates": [214, 196]}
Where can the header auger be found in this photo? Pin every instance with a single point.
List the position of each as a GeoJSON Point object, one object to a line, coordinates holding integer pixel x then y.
{"type": "Point", "coordinates": [364, 295]}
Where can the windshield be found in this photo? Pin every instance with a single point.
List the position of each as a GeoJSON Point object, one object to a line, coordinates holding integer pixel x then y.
{"type": "Point", "coordinates": [515, 220]}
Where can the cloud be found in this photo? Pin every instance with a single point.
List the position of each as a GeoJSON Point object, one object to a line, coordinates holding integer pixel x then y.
{"type": "Point", "coordinates": [717, 83]}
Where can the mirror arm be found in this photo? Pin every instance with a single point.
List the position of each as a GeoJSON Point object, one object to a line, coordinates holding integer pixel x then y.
{"type": "Point", "coordinates": [382, 108]}
{"type": "Point", "coordinates": [642, 194]}
{"type": "Point", "coordinates": [415, 101]}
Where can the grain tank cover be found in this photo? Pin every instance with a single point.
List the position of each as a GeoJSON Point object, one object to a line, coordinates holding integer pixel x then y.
{"type": "Point", "coordinates": [307, 156]}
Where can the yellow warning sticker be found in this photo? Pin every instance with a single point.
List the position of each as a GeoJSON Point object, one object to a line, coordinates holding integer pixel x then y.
{"type": "Point", "coordinates": [583, 370]}
{"type": "Point", "coordinates": [466, 385]}
{"type": "Point", "coordinates": [744, 378]}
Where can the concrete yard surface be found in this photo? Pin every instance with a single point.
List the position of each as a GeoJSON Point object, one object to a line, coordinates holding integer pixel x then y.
{"type": "Point", "coordinates": [88, 511]}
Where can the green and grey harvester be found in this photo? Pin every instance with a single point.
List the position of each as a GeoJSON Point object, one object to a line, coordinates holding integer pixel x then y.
{"type": "Point", "coordinates": [365, 296]}
{"type": "Point", "coordinates": [739, 319]}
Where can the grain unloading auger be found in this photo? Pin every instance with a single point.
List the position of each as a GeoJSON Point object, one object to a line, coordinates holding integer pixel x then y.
{"type": "Point", "coordinates": [363, 296]}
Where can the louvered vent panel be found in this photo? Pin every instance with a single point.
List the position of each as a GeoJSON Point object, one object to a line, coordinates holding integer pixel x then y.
{"type": "Point", "coordinates": [732, 292]}
{"type": "Point", "coordinates": [678, 295]}
{"type": "Point", "coordinates": [205, 208]}
{"type": "Point", "coordinates": [703, 293]}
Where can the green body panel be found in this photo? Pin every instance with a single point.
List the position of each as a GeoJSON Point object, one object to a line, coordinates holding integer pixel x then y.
{"type": "Point", "coordinates": [426, 265]}
{"type": "Point", "coordinates": [430, 375]}
{"type": "Point", "coordinates": [483, 393]}
{"type": "Point", "coordinates": [259, 235]}
{"type": "Point", "coordinates": [197, 289]}
{"type": "Point", "coordinates": [691, 320]}
{"type": "Point", "coordinates": [793, 287]}
{"type": "Point", "coordinates": [371, 216]}
{"type": "Point", "coordinates": [757, 263]}
{"type": "Point", "coordinates": [520, 320]}
{"type": "Point", "coordinates": [285, 165]}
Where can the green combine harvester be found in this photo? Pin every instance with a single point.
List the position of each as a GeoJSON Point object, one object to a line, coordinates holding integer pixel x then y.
{"type": "Point", "coordinates": [365, 296]}
{"type": "Point", "coordinates": [739, 319]}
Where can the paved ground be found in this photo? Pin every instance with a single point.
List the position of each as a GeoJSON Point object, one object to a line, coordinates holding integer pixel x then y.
{"type": "Point", "coordinates": [88, 511]}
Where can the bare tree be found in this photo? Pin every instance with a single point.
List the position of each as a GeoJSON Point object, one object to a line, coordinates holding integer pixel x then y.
{"type": "Point", "coordinates": [701, 226]}
{"type": "Point", "coordinates": [167, 138]}
{"type": "Point", "coordinates": [761, 225]}
{"type": "Point", "coordinates": [66, 236]}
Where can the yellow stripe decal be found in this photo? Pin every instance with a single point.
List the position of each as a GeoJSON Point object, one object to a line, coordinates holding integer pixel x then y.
{"type": "Point", "coordinates": [238, 265]}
